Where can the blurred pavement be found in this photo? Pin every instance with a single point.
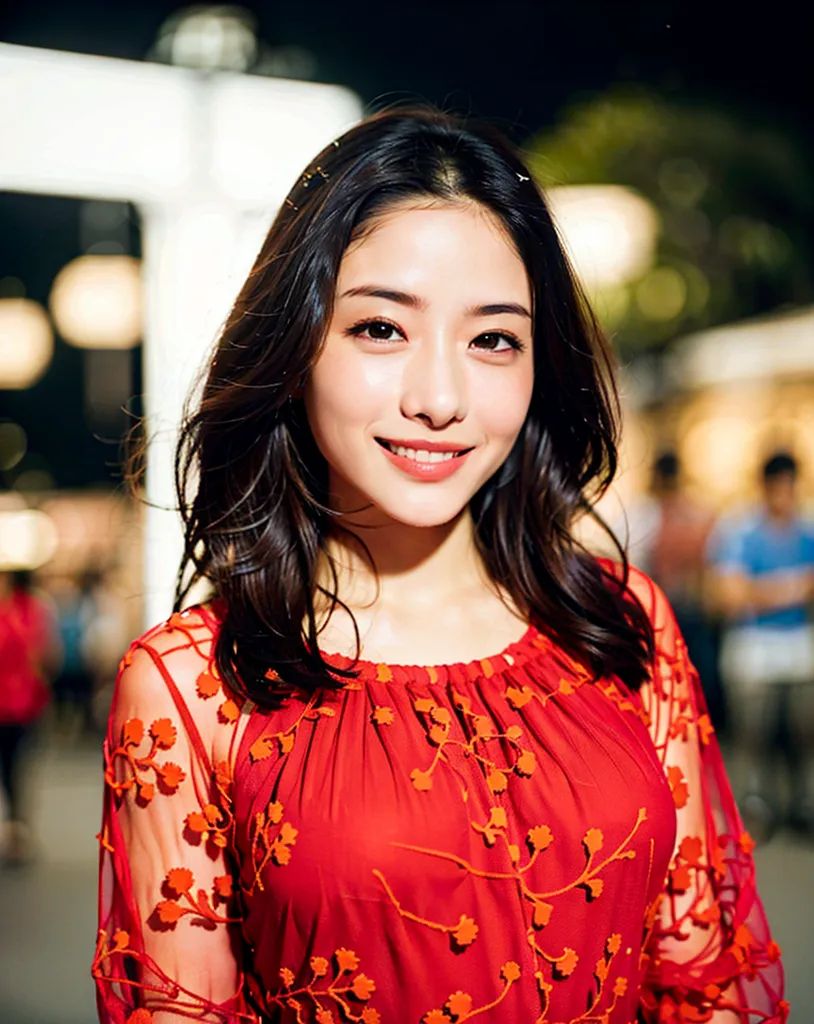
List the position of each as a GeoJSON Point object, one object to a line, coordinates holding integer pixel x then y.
{"type": "Point", "coordinates": [48, 910]}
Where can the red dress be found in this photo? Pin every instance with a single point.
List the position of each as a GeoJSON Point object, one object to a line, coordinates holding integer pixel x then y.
{"type": "Point", "coordinates": [502, 840]}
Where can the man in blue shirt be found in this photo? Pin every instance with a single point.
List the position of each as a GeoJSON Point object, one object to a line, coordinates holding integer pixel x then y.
{"type": "Point", "coordinates": [763, 583]}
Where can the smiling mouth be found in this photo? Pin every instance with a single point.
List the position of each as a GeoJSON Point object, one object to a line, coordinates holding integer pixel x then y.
{"type": "Point", "coordinates": [417, 454]}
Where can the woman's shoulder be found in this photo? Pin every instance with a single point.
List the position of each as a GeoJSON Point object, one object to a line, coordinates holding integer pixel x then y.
{"type": "Point", "coordinates": [190, 628]}
{"type": "Point", "coordinates": [173, 664]}
{"type": "Point", "coordinates": [186, 637]}
{"type": "Point", "coordinates": [638, 584]}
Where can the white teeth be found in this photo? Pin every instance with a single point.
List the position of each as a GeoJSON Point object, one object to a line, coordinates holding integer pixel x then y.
{"type": "Point", "coordinates": [420, 454]}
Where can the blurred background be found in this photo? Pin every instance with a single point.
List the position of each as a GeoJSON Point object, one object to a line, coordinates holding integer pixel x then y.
{"type": "Point", "coordinates": [144, 148]}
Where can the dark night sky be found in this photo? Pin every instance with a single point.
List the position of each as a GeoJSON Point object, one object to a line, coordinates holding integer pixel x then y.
{"type": "Point", "coordinates": [516, 63]}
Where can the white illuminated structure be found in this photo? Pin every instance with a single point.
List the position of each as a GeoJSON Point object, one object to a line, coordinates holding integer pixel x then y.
{"type": "Point", "coordinates": [761, 349]}
{"type": "Point", "coordinates": [208, 158]}
{"type": "Point", "coordinates": [609, 231]}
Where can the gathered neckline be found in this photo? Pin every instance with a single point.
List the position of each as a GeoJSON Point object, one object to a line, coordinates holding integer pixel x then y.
{"type": "Point", "coordinates": [513, 655]}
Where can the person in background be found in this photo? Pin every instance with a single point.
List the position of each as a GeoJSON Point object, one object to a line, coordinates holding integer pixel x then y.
{"type": "Point", "coordinates": [75, 607]}
{"type": "Point", "coordinates": [675, 554]}
{"type": "Point", "coordinates": [27, 651]}
{"type": "Point", "coordinates": [763, 576]}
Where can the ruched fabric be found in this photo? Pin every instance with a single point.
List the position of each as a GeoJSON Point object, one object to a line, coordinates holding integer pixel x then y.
{"type": "Point", "coordinates": [507, 839]}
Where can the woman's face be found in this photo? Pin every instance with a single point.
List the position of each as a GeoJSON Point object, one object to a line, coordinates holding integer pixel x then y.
{"type": "Point", "coordinates": [426, 374]}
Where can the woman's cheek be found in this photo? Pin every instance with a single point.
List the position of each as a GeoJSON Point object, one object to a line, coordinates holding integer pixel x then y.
{"type": "Point", "coordinates": [353, 385]}
{"type": "Point", "coordinates": [502, 411]}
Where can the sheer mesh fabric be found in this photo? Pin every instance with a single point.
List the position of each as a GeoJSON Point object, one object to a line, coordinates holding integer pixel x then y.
{"type": "Point", "coordinates": [169, 945]}
{"type": "Point", "coordinates": [710, 945]}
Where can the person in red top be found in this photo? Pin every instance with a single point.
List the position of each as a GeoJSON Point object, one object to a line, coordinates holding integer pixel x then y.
{"type": "Point", "coordinates": [27, 647]}
{"type": "Point", "coordinates": [421, 758]}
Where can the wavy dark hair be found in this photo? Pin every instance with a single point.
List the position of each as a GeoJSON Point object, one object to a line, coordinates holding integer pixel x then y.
{"type": "Point", "coordinates": [253, 487]}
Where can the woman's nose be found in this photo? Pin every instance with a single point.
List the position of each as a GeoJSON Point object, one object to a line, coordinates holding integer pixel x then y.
{"type": "Point", "coordinates": [434, 386]}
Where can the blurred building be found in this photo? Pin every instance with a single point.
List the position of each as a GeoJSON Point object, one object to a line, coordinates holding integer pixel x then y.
{"type": "Point", "coordinates": [724, 400]}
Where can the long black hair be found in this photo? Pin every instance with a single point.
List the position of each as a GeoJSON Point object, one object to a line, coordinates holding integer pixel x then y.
{"type": "Point", "coordinates": [252, 484]}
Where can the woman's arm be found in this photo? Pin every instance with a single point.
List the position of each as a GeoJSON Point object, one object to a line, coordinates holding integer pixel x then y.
{"type": "Point", "coordinates": [735, 594]}
{"type": "Point", "coordinates": [710, 955]}
{"type": "Point", "coordinates": [169, 946]}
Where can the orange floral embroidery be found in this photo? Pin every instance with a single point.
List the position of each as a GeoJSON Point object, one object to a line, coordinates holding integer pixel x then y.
{"type": "Point", "coordinates": [167, 776]}
{"type": "Point", "coordinates": [213, 823]}
{"type": "Point", "coordinates": [272, 839]}
{"type": "Point", "coordinates": [207, 824]}
{"type": "Point", "coordinates": [179, 883]}
{"type": "Point", "coordinates": [140, 1016]}
{"type": "Point", "coordinates": [678, 785]}
{"type": "Point", "coordinates": [564, 966]}
{"type": "Point", "coordinates": [438, 722]}
{"type": "Point", "coordinates": [458, 1007]}
{"type": "Point", "coordinates": [746, 843]}
{"type": "Point", "coordinates": [209, 684]}
{"type": "Point", "coordinates": [462, 934]}
{"type": "Point", "coordinates": [383, 715]}
{"type": "Point", "coordinates": [338, 988]}
{"type": "Point", "coordinates": [127, 660]}
{"type": "Point", "coordinates": [622, 701]}
{"type": "Point", "coordinates": [459, 1004]}
{"type": "Point", "coordinates": [347, 960]}
{"type": "Point", "coordinates": [121, 940]}
{"type": "Point", "coordinates": [518, 698]}
{"type": "Point", "coordinates": [705, 729]}
{"type": "Point", "coordinates": [104, 838]}
{"type": "Point", "coordinates": [538, 839]}
{"type": "Point", "coordinates": [179, 620]}
{"type": "Point", "coordinates": [496, 825]}
{"type": "Point", "coordinates": [263, 747]}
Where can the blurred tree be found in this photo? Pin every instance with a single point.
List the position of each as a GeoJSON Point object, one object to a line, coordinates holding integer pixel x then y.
{"type": "Point", "coordinates": [734, 200]}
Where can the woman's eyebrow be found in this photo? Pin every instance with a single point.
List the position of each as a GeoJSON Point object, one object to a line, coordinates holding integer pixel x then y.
{"type": "Point", "coordinates": [391, 294]}
{"type": "Point", "coordinates": [415, 302]}
{"type": "Point", "coordinates": [494, 308]}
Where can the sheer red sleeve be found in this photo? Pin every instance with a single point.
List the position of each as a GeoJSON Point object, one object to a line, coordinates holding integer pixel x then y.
{"type": "Point", "coordinates": [710, 956]}
{"type": "Point", "coordinates": [169, 943]}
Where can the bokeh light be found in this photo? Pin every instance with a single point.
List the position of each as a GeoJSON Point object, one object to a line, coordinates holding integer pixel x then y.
{"type": "Point", "coordinates": [13, 445]}
{"type": "Point", "coordinates": [26, 342]}
{"type": "Point", "coordinates": [28, 539]}
{"type": "Point", "coordinates": [661, 294]}
{"type": "Point", "coordinates": [208, 38]}
{"type": "Point", "coordinates": [96, 302]}
{"type": "Point", "coordinates": [610, 231]}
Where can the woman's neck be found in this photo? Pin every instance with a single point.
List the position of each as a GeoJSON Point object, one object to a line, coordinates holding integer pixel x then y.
{"type": "Point", "coordinates": [425, 599]}
{"type": "Point", "coordinates": [412, 567]}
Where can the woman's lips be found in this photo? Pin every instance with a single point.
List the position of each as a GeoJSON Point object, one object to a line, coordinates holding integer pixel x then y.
{"type": "Point", "coordinates": [436, 461]}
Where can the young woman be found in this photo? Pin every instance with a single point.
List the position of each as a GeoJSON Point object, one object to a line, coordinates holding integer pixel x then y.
{"type": "Point", "coordinates": [422, 758]}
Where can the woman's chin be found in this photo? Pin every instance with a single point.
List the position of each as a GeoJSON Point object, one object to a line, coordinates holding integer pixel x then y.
{"type": "Point", "coordinates": [424, 512]}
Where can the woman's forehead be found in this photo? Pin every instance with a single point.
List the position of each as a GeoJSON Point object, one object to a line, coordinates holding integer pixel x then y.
{"type": "Point", "coordinates": [435, 245]}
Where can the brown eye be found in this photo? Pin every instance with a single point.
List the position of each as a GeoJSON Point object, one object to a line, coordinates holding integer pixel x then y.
{"type": "Point", "coordinates": [380, 330]}
{"type": "Point", "coordinates": [497, 341]}
{"type": "Point", "coordinates": [376, 330]}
